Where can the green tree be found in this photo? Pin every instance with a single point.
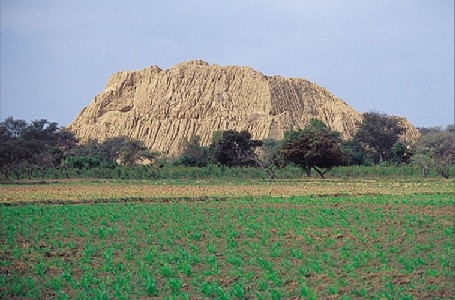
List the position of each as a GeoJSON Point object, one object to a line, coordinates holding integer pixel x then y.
{"type": "Point", "coordinates": [40, 130]}
{"type": "Point", "coordinates": [378, 133]}
{"type": "Point", "coordinates": [315, 147]}
{"type": "Point", "coordinates": [41, 137]}
{"type": "Point", "coordinates": [354, 153]}
{"type": "Point", "coordinates": [400, 154]}
{"type": "Point", "coordinates": [232, 148]}
{"type": "Point", "coordinates": [54, 144]}
{"type": "Point", "coordinates": [269, 156]}
{"type": "Point", "coordinates": [132, 151]}
{"type": "Point", "coordinates": [15, 156]}
{"type": "Point", "coordinates": [193, 154]}
{"type": "Point", "coordinates": [436, 149]}
{"type": "Point", "coordinates": [122, 150]}
{"type": "Point", "coordinates": [11, 128]}
{"type": "Point", "coordinates": [40, 144]}
{"type": "Point", "coordinates": [13, 153]}
{"type": "Point", "coordinates": [89, 148]}
{"type": "Point", "coordinates": [109, 153]}
{"type": "Point", "coordinates": [83, 162]}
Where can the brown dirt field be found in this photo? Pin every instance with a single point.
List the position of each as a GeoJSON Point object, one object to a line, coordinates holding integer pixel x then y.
{"type": "Point", "coordinates": [80, 191]}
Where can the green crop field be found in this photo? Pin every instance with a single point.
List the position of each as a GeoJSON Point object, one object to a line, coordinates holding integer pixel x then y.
{"type": "Point", "coordinates": [383, 245]}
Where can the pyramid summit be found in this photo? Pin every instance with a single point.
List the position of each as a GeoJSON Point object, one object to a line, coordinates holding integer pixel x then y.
{"type": "Point", "coordinates": [165, 108]}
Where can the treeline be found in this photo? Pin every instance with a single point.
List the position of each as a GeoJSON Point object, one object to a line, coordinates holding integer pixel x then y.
{"type": "Point", "coordinates": [318, 148]}
{"type": "Point", "coordinates": [41, 148]}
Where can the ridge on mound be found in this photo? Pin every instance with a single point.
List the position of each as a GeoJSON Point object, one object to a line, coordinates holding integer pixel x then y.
{"type": "Point", "coordinates": [164, 108]}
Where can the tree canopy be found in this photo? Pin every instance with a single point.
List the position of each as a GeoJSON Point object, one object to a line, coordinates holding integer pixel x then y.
{"type": "Point", "coordinates": [378, 133]}
{"type": "Point", "coordinates": [232, 148]}
{"type": "Point", "coordinates": [315, 147]}
{"type": "Point", "coordinates": [193, 155]}
{"type": "Point", "coordinates": [42, 145]}
{"type": "Point", "coordinates": [436, 149]}
{"type": "Point", "coordinates": [38, 145]}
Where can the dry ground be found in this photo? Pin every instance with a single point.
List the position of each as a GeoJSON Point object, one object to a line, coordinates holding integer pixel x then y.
{"type": "Point", "coordinates": [81, 191]}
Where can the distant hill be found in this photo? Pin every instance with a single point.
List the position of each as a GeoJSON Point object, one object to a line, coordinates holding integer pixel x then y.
{"type": "Point", "coordinates": [164, 108]}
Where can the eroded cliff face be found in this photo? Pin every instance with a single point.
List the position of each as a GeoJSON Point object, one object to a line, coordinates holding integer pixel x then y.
{"type": "Point", "coordinates": [164, 108]}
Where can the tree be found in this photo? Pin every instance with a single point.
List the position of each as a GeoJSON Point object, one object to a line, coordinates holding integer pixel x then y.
{"type": "Point", "coordinates": [11, 128]}
{"type": "Point", "coordinates": [132, 151]}
{"type": "Point", "coordinates": [378, 133]}
{"type": "Point", "coordinates": [15, 156]}
{"type": "Point", "coordinates": [268, 156]}
{"type": "Point", "coordinates": [354, 153]}
{"type": "Point", "coordinates": [436, 149]}
{"type": "Point", "coordinates": [400, 154]}
{"type": "Point", "coordinates": [232, 148]}
{"type": "Point", "coordinates": [111, 152]}
{"type": "Point", "coordinates": [40, 144]}
{"type": "Point", "coordinates": [13, 153]}
{"type": "Point", "coordinates": [315, 147]}
{"type": "Point", "coordinates": [83, 162]}
{"type": "Point", "coordinates": [41, 136]}
{"type": "Point", "coordinates": [122, 150]}
{"type": "Point", "coordinates": [193, 154]}
{"type": "Point", "coordinates": [51, 144]}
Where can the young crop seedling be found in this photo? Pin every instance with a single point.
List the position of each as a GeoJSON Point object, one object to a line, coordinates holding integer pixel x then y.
{"type": "Point", "coordinates": [258, 247]}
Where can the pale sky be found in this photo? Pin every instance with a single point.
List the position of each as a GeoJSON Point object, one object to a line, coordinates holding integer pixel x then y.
{"type": "Point", "coordinates": [389, 56]}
